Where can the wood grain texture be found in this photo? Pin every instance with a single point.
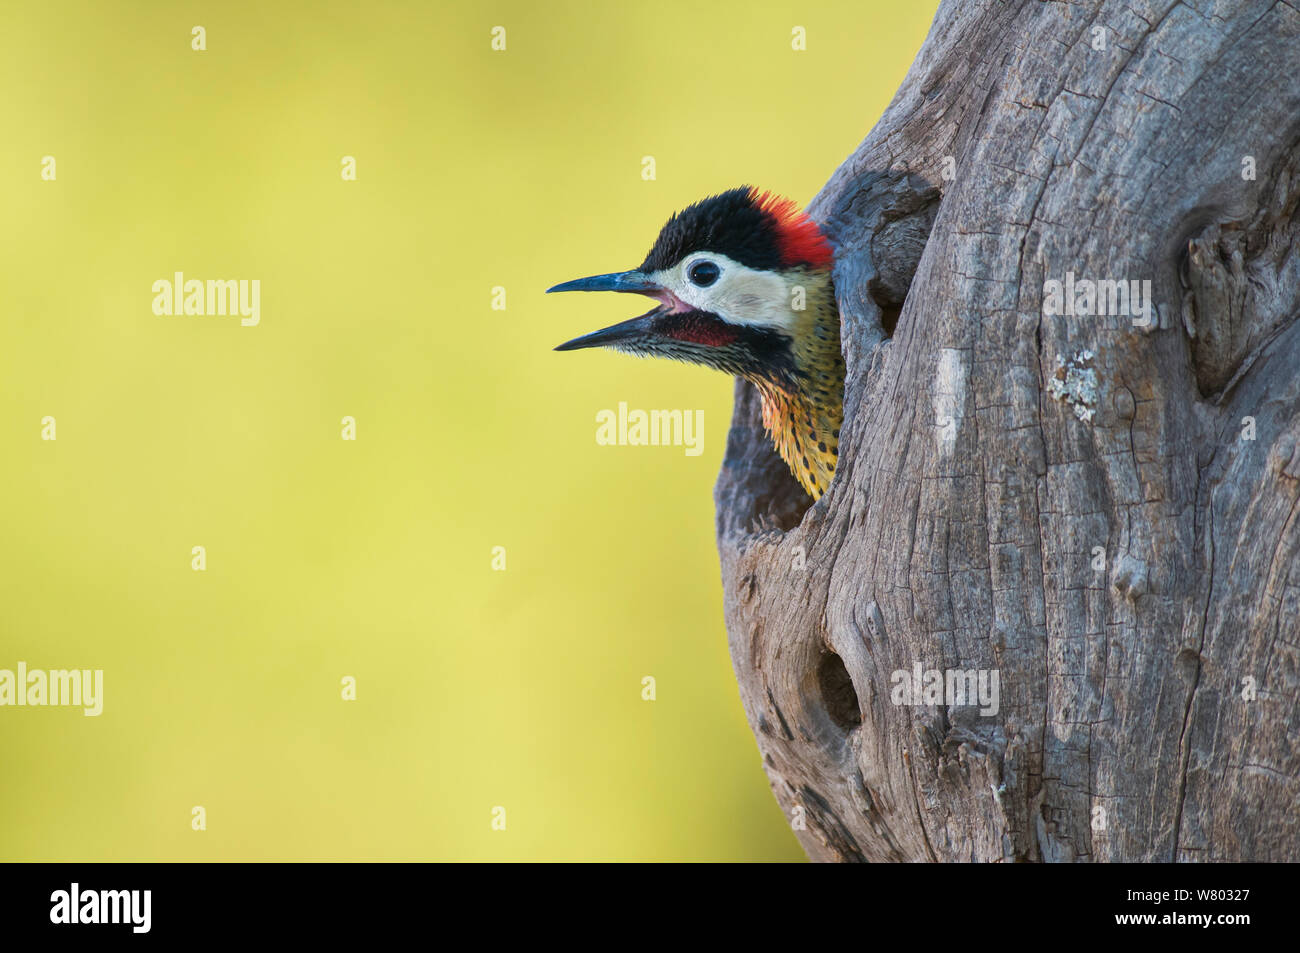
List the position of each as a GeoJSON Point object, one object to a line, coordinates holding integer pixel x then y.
{"type": "Point", "coordinates": [963, 527]}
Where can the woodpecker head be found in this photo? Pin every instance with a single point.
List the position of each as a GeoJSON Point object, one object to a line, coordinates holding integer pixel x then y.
{"type": "Point", "coordinates": [732, 276]}
{"type": "Point", "coordinates": [743, 285]}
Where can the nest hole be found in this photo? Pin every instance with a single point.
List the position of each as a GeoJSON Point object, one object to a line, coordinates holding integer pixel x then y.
{"type": "Point", "coordinates": [837, 693]}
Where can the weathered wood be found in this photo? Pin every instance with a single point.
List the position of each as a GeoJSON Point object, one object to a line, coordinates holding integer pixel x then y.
{"type": "Point", "coordinates": [1124, 556]}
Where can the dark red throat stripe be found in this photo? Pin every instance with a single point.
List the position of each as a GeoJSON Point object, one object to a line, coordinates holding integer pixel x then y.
{"type": "Point", "coordinates": [699, 329]}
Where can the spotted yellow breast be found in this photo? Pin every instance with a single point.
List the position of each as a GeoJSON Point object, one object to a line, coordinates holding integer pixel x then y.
{"type": "Point", "coordinates": [804, 422]}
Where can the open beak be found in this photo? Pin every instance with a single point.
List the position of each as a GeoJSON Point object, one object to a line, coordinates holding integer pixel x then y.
{"type": "Point", "coordinates": [634, 282]}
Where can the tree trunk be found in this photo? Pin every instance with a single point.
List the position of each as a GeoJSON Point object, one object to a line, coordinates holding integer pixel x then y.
{"type": "Point", "coordinates": [1098, 509]}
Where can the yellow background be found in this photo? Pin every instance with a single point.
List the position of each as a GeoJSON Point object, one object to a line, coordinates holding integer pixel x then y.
{"type": "Point", "coordinates": [371, 558]}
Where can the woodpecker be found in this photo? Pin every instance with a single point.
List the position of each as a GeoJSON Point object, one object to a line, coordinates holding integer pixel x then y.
{"type": "Point", "coordinates": [743, 281]}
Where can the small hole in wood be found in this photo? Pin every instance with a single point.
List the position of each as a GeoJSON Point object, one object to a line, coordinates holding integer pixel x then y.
{"type": "Point", "coordinates": [838, 697]}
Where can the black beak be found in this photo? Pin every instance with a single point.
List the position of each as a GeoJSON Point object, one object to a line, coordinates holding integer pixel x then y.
{"type": "Point", "coordinates": [621, 333]}
{"type": "Point", "coordinates": [634, 282]}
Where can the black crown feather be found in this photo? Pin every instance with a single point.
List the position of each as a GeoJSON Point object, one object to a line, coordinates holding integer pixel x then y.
{"type": "Point", "coordinates": [731, 224]}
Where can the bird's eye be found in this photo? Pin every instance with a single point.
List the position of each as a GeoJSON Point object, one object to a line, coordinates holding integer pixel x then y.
{"type": "Point", "coordinates": [703, 273]}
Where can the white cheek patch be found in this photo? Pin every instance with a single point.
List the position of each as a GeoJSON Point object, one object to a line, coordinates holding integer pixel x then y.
{"type": "Point", "coordinates": [741, 295]}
